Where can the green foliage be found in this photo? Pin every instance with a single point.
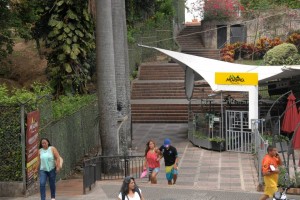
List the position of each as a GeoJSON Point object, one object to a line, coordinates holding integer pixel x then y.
{"type": "Point", "coordinates": [199, 134]}
{"type": "Point", "coordinates": [63, 106]}
{"type": "Point", "coordinates": [295, 4]}
{"type": "Point", "coordinates": [139, 11]}
{"type": "Point", "coordinates": [10, 146]}
{"type": "Point", "coordinates": [68, 29]}
{"type": "Point", "coordinates": [217, 139]}
{"type": "Point", "coordinates": [282, 182]}
{"type": "Point", "coordinates": [25, 15]}
{"type": "Point", "coordinates": [149, 13]}
{"type": "Point", "coordinates": [67, 105]}
{"type": "Point", "coordinates": [278, 138]}
{"type": "Point", "coordinates": [257, 4]}
{"type": "Point", "coordinates": [17, 96]}
{"type": "Point", "coordinates": [269, 4]}
{"type": "Point", "coordinates": [284, 54]}
{"type": "Point", "coordinates": [6, 42]}
{"type": "Point", "coordinates": [296, 180]}
{"type": "Point", "coordinates": [134, 75]}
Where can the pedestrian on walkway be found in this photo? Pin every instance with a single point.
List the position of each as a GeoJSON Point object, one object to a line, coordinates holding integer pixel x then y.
{"type": "Point", "coordinates": [129, 190]}
{"type": "Point", "coordinates": [48, 165]}
{"type": "Point", "coordinates": [270, 171]}
{"type": "Point", "coordinates": [152, 161]}
{"type": "Point", "coordinates": [171, 160]}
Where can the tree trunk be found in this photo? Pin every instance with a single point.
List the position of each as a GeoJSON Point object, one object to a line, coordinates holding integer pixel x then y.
{"type": "Point", "coordinates": [127, 80]}
{"type": "Point", "coordinates": [121, 63]}
{"type": "Point", "coordinates": [106, 83]}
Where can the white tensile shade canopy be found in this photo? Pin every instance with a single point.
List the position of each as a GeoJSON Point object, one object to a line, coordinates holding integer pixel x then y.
{"type": "Point", "coordinates": [207, 69]}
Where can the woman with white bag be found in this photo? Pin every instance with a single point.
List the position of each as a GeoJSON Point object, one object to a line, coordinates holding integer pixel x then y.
{"type": "Point", "coordinates": [49, 164]}
{"type": "Point", "coordinates": [152, 161]}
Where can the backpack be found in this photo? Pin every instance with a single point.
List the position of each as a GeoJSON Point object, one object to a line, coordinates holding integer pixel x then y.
{"type": "Point", "coordinates": [136, 189]}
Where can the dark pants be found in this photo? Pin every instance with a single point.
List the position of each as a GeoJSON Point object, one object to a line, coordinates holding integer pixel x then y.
{"type": "Point", "coordinates": [43, 179]}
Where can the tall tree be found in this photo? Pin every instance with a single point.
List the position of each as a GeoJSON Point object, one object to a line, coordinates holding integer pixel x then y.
{"type": "Point", "coordinates": [122, 75]}
{"type": "Point", "coordinates": [6, 42]}
{"type": "Point", "coordinates": [127, 80]}
{"type": "Point", "coordinates": [106, 81]}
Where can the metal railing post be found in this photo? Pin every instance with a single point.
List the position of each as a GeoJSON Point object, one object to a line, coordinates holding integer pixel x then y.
{"type": "Point", "coordinates": [23, 146]}
{"type": "Point", "coordinates": [126, 166]}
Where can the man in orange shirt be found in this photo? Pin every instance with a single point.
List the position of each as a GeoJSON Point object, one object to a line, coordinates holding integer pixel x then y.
{"type": "Point", "coordinates": [270, 171]}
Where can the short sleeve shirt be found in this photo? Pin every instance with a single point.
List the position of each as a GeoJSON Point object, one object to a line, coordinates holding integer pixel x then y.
{"type": "Point", "coordinates": [169, 154]}
{"type": "Point", "coordinates": [270, 180]}
{"type": "Point", "coordinates": [135, 197]}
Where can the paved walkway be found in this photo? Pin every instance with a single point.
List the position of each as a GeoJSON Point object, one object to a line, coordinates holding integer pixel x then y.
{"type": "Point", "coordinates": [199, 168]}
{"type": "Point", "coordinates": [203, 174]}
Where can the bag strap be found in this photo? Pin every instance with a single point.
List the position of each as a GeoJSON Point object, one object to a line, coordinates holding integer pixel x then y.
{"type": "Point", "coordinates": [138, 191]}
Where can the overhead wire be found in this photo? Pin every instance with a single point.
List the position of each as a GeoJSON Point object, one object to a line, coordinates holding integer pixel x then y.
{"type": "Point", "coordinates": [213, 29]}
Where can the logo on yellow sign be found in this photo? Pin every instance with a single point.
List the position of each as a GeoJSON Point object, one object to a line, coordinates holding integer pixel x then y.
{"type": "Point", "coordinates": [228, 78]}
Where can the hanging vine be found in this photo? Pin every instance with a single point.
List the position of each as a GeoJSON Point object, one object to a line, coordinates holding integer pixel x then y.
{"type": "Point", "coordinates": [70, 38]}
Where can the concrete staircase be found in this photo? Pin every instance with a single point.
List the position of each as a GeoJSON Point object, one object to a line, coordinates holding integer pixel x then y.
{"type": "Point", "coordinates": [190, 42]}
{"type": "Point", "coordinates": [158, 95]}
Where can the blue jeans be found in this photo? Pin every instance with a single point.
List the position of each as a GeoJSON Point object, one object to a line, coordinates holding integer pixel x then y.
{"type": "Point", "coordinates": [43, 179]}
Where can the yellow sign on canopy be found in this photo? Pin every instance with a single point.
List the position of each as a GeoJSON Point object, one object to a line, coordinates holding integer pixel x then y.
{"type": "Point", "coordinates": [236, 78]}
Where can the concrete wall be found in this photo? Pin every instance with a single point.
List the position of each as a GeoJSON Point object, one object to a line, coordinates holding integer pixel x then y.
{"type": "Point", "coordinates": [273, 24]}
{"type": "Point", "coordinates": [11, 189]}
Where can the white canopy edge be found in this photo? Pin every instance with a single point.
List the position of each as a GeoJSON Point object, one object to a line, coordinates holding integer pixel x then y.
{"type": "Point", "coordinates": [207, 68]}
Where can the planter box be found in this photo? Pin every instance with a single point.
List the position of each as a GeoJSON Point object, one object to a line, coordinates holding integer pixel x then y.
{"type": "Point", "coordinates": [218, 146]}
{"type": "Point", "coordinates": [204, 143]}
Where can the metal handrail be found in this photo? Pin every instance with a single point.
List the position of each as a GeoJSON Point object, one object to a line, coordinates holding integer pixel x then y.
{"type": "Point", "coordinates": [110, 167]}
{"type": "Point", "coordinates": [269, 111]}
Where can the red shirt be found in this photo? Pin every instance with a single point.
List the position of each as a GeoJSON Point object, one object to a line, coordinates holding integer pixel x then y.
{"type": "Point", "coordinates": [152, 159]}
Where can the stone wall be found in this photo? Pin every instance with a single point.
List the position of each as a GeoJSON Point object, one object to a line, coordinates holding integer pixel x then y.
{"type": "Point", "coordinates": [275, 23]}
{"type": "Point", "coordinates": [11, 189]}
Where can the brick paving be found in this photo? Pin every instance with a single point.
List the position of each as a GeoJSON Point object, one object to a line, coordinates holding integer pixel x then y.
{"type": "Point", "coordinates": [200, 168]}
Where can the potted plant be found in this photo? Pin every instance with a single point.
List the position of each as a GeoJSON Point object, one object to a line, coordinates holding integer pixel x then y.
{"type": "Point", "coordinates": [217, 143]}
{"type": "Point", "coordinates": [201, 140]}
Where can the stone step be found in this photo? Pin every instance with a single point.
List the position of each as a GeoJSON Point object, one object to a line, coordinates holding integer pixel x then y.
{"type": "Point", "coordinates": [172, 115]}
{"type": "Point", "coordinates": [161, 78]}
{"type": "Point", "coordinates": [161, 72]}
{"type": "Point", "coordinates": [213, 54]}
{"type": "Point", "coordinates": [165, 121]}
{"type": "Point", "coordinates": [152, 84]}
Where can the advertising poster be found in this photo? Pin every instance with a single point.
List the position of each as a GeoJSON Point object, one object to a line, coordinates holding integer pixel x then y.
{"type": "Point", "coordinates": [32, 145]}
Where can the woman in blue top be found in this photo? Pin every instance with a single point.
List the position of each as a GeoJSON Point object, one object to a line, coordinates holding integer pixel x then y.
{"type": "Point", "coordinates": [48, 167]}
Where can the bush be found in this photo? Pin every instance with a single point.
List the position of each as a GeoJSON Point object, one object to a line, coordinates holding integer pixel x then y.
{"type": "Point", "coordinates": [294, 38]}
{"type": "Point", "coordinates": [283, 54]}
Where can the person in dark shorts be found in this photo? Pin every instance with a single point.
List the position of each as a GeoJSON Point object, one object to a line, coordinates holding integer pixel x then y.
{"type": "Point", "coordinates": [171, 160]}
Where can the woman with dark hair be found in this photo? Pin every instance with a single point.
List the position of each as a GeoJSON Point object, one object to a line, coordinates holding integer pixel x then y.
{"type": "Point", "coordinates": [129, 190]}
{"type": "Point", "coordinates": [48, 165]}
{"type": "Point", "coordinates": [152, 161]}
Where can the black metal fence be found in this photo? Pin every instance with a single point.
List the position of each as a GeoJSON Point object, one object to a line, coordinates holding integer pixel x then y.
{"type": "Point", "coordinates": [110, 168]}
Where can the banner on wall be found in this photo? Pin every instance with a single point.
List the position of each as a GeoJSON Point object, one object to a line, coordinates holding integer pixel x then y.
{"type": "Point", "coordinates": [32, 145]}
